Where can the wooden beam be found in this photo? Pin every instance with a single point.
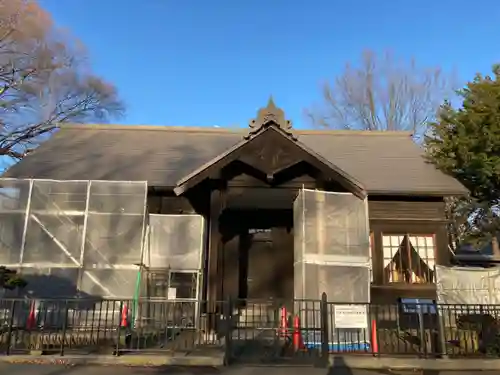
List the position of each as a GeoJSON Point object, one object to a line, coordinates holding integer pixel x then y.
{"type": "Point", "coordinates": [377, 257]}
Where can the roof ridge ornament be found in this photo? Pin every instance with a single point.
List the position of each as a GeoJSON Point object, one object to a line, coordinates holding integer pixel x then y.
{"type": "Point", "coordinates": [270, 115]}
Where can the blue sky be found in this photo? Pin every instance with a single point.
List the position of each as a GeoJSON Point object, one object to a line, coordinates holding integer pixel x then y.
{"type": "Point", "coordinates": [207, 63]}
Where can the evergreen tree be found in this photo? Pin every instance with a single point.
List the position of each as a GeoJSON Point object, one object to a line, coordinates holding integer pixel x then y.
{"type": "Point", "coordinates": [465, 143]}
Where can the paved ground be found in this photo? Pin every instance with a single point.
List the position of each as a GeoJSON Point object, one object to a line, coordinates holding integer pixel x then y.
{"type": "Point", "coordinates": [33, 369]}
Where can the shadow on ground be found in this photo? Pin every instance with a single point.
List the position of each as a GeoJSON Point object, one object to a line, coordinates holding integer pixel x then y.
{"type": "Point", "coordinates": [43, 369]}
{"type": "Point", "coordinates": [340, 369]}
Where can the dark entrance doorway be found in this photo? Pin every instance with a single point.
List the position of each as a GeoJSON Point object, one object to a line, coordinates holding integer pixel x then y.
{"type": "Point", "coordinates": [258, 257]}
{"type": "Point", "coordinates": [260, 264]}
{"type": "Point", "coordinates": [269, 263]}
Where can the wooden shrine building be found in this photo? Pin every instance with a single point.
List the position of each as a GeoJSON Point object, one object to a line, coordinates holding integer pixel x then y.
{"type": "Point", "coordinates": [244, 183]}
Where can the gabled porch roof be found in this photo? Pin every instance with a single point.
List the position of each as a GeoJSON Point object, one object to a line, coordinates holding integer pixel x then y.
{"type": "Point", "coordinates": [270, 123]}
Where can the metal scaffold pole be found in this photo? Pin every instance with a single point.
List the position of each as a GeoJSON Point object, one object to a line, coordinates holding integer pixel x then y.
{"type": "Point", "coordinates": [26, 222]}
{"type": "Point", "coordinates": [84, 235]}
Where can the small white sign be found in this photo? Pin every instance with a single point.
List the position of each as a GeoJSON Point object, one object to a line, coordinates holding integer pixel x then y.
{"type": "Point", "coordinates": [351, 316]}
{"type": "Point", "coordinates": [172, 293]}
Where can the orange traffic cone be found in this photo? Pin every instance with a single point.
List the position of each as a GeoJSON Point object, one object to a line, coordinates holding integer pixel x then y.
{"type": "Point", "coordinates": [374, 337]}
{"type": "Point", "coordinates": [283, 322]}
{"type": "Point", "coordinates": [124, 318]}
{"type": "Point", "coordinates": [31, 322]}
{"type": "Point", "coordinates": [298, 343]}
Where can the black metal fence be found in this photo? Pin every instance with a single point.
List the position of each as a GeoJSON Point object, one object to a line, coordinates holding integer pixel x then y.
{"type": "Point", "coordinates": [248, 330]}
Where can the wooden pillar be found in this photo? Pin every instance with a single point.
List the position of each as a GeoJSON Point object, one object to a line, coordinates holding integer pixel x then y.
{"type": "Point", "coordinates": [443, 254]}
{"type": "Point", "coordinates": [377, 255]}
{"type": "Point", "coordinates": [214, 277]}
{"type": "Point", "coordinates": [230, 267]}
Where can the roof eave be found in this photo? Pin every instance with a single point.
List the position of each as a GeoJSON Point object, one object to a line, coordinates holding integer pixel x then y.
{"type": "Point", "coordinates": [430, 193]}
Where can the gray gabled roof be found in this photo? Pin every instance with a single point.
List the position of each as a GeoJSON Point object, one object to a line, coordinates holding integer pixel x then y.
{"type": "Point", "coordinates": [384, 162]}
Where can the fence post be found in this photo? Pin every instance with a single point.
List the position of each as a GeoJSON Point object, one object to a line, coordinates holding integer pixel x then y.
{"type": "Point", "coordinates": [421, 329]}
{"type": "Point", "coordinates": [442, 340]}
{"type": "Point", "coordinates": [64, 328]}
{"type": "Point", "coordinates": [119, 328]}
{"type": "Point", "coordinates": [325, 342]}
{"type": "Point", "coordinates": [11, 323]}
{"type": "Point", "coordinates": [228, 329]}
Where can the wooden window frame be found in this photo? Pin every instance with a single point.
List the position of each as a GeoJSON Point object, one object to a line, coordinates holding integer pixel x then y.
{"type": "Point", "coordinates": [415, 276]}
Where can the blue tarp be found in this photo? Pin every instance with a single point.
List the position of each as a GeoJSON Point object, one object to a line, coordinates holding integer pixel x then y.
{"type": "Point", "coordinates": [341, 347]}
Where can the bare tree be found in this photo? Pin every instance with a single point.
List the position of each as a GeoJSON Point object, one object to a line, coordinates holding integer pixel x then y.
{"type": "Point", "coordinates": [44, 80]}
{"type": "Point", "coordinates": [383, 94]}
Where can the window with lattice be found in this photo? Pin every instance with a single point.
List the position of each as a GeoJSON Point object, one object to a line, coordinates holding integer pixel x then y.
{"type": "Point", "coordinates": [408, 258]}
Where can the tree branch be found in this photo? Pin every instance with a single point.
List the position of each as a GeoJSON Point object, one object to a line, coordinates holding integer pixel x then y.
{"type": "Point", "coordinates": [383, 94]}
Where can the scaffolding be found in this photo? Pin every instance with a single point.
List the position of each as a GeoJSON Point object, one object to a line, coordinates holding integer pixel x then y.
{"type": "Point", "coordinates": [14, 199]}
{"type": "Point", "coordinates": [331, 253]}
{"type": "Point", "coordinates": [174, 261]}
{"type": "Point", "coordinates": [74, 238]}
{"type": "Point", "coordinates": [175, 255]}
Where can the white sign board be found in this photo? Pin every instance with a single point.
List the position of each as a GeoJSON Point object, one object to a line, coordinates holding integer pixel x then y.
{"type": "Point", "coordinates": [172, 293]}
{"type": "Point", "coordinates": [351, 316]}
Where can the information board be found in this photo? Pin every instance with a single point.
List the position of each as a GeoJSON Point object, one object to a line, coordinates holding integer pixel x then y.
{"type": "Point", "coordinates": [351, 316]}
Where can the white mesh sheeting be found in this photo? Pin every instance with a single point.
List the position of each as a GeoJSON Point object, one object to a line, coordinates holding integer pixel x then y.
{"type": "Point", "coordinates": [115, 223]}
{"type": "Point", "coordinates": [114, 238]}
{"type": "Point", "coordinates": [55, 225]}
{"type": "Point", "coordinates": [331, 247]}
{"type": "Point", "coordinates": [114, 283]}
{"type": "Point", "coordinates": [45, 225]}
{"type": "Point", "coordinates": [175, 242]}
{"type": "Point", "coordinates": [466, 285]}
{"type": "Point", "coordinates": [14, 195]}
{"type": "Point", "coordinates": [334, 226]}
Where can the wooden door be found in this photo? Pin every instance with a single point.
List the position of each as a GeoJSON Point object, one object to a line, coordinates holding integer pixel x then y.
{"type": "Point", "coordinates": [260, 274]}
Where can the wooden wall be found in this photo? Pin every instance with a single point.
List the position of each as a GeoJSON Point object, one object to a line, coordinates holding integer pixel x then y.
{"type": "Point", "coordinates": [405, 210]}
{"type": "Point", "coordinates": [169, 205]}
{"type": "Point", "coordinates": [390, 215]}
